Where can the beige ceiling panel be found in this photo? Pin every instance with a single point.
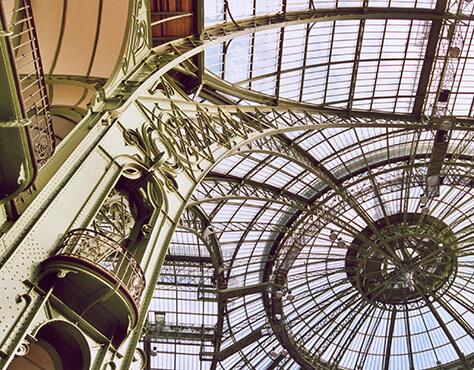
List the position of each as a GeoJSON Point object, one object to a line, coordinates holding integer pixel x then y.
{"type": "Point", "coordinates": [84, 103]}
{"type": "Point", "coordinates": [48, 17]}
{"type": "Point", "coordinates": [79, 38]}
{"type": "Point", "coordinates": [113, 24]}
{"type": "Point", "coordinates": [66, 94]}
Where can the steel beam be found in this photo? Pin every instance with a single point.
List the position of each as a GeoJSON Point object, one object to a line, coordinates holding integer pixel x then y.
{"type": "Point", "coordinates": [454, 365]}
{"type": "Point", "coordinates": [409, 339]}
{"type": "Point", "coordinates": [438, 153]}
{"type": "Point", "coordinates": [223, 188]}
{"type": "Point", "coordinates": [199, 21]}
{"type": "Point", "coordinates": [180, 332]}
{"type": "Point", "coordinates": [355, 68]}
{"type": "Point", "coordinates": [242, 291]}
{"type": "Point", "coordinates": [389, 336]}
{"type": "Point", "coordinates": [445, 329]}
{"type": "Point", "coordinates": [275, 362]}
{"type": "Point", "coordinates": [170, 55]}
{"type": "Point", "coordinates": [214, 86]}
{"type": "Point", "coordinates": [190, 259]}
{"type": "Point", "coordinates": [239, 345]}
{"type": "Point", "coordinates": [428, 63]}
{"type": "Point", "coordinates": [367, 343]}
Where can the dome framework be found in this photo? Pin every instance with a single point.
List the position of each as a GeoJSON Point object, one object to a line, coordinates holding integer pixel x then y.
{"type": "Point", "coordinates": [346, 245]}
{"type": "Point", "coordinates": [251, 184]}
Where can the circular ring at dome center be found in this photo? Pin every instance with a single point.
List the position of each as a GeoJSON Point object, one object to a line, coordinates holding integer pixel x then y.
{"type": "Point", "coordinates": [402, 258]}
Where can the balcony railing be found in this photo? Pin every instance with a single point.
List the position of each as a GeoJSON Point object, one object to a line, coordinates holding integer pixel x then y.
{"type": "Point", "coordinates": [27, 66]}
{"type": "Point", "coordinates": [107, 256]}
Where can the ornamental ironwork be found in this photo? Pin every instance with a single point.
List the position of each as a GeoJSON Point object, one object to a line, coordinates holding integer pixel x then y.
{"type": "Point", "coordinates": [106, 255]}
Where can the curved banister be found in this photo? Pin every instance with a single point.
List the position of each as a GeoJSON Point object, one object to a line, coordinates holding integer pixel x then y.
{"type": "Point", "coordinates": [106, 254]}
{"type": "Point", "coordinates": [27, 67]}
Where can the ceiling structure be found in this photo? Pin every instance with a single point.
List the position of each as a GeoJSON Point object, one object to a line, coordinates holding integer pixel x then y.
{"type": "Point", "coordinates": [81, 46]}
{"type": "Point", "coordinates": [346, 247]}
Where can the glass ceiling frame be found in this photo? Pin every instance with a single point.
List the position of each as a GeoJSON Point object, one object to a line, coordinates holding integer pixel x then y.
{"type": "Point", "coordinates": [275, 148]}
{"type": "Point", "coordinates": [432, 55]}
{"type": "Point", "coordinates": [297, 187]}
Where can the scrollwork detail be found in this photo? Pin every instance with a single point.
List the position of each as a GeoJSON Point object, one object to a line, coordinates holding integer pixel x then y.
{"type": "Point", "coordinates": [156, 152]}
{"type": "Point", "coordinates": [23, 348]}
{"type": "Point", "coordinates": [172, 142]}
{"type": "Point", "coordinates": [138, 38]}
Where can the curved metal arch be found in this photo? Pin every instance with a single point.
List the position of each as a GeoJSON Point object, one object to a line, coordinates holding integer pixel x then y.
{"type": "Point", "coordinates": [207, 234]}
{"type": "Point", "coordinates": [306, 160]}
{"type": "Point", "coordinates": [234, 192]}
{"type": "Point", "coordinates": [423, 164]}
{"type": "Point", "coordinates": [145, 68]}
{"type": "Point", "coordinates": [170, 55]}
{"type": "Point", "coordinates": [373, 164]}
{"type": "Point", "coordinates": [292, 152]}
{"type": "Point", "coordinates": [214, 85]}
{"type": "Point", "coordinates": [296, 128]}
{"type": "Point", "coordinates": [332, 183]}
{"type": "Point", "coordinates": [274, 309]}
{"type": "Point", "coordinates": [328, 211]}
{"type": "Point", "coordinates": [241, 189]}
{"type": "Point", "coordinates": [277, 311]}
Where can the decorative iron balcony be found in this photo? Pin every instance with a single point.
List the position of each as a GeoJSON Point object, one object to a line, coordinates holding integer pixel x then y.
{"type": "Point", "coordinates": [98, 280]}
{"type": "Point", "coordinates": [107, 256]}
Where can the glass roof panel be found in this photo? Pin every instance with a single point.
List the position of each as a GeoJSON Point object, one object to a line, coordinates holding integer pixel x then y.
{"type": "Point", "coordinates": [318, 63]}
{"type": "Point", "coordinates": [215, 10]}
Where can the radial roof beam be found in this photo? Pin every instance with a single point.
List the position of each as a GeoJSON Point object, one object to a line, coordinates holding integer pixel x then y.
{"type": "Point", "coordinates": [242, 291]}
{"type": "Point", "coordinates": [446, 331]}
{"type": "Point", "coordinates": [438, 153]}
{"type": "Point", "coordinates": [428, 64]}
{"type": "Point", "coordinates": [409, 339]}
{"type": "Point", "coordinates": [280, 54]}
{"type": "Point", "coordinates": [355, 67]}
{"type": "Point", "coordinates": [388, 343]}
{"type": "Point", "coordinates": [454, 365]}
{"type": "Point", "coordinates": [240, 344]}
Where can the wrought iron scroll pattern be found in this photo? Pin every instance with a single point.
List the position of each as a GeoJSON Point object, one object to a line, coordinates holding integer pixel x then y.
{"type": "Point", "coordinates": [115, 218]}
{"type": "Point", "coordinates": [174, 142]}
{"type": "Point", "coordinates": [139, 42]}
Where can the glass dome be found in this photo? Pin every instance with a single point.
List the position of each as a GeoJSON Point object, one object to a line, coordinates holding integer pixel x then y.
{"type": "Point", "coordinates": [344, 247]}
